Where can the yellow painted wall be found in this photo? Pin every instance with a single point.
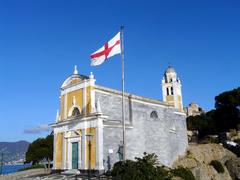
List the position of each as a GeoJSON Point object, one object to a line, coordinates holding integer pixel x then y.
{"type": "Point", "coordinates": [62, 107]}
{"type": "Point", "coordinates": [179, 98]}
{"type": "Point", "coordinates": [93, 148]}
{"type": "Point", "coordinates": [59, 150]}
{"type": "Point", "coordinates": [74, 81]}
{"type": "Point", "coordinates": [79, 99]}
{"type": "Point", "coordinates": [80, 149]}
{"type": "Point", "coordinates": [169, 98]}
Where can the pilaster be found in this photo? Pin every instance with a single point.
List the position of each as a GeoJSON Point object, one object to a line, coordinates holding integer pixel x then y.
{"type": "Point", "coordinates": [99, 144]}
{"type": "Point", "coordinates": [83, 148]}
{"type": "Point", "coordinates": [84, 98]}
{"type": "Point", "coordinates": [65, 106]}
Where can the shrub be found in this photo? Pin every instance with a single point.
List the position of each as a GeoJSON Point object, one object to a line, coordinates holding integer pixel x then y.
{"type": "Point", "coordinates": [146, 168]}
{"type": "Point", "coordinates": [125, 170]}
{"type": "Point", "coordinates": [182, 172]}
{"type": "Point", "coordinates": [142, 169]}
{"type": "Point", "coordinates": [163, 174]}
{"type": "Point", "coordinates": [217, 166]}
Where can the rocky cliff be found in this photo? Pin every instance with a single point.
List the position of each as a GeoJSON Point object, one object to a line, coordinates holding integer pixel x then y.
{"type": "Point", "coordinates": [199, 157]}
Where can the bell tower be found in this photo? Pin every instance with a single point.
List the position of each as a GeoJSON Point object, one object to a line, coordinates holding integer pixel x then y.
{"type": "Point", "coordinates": [171, 88]}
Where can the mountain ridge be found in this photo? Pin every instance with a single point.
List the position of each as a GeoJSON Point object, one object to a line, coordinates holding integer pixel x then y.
{"type": "Point", "coordinates": [13, 152]}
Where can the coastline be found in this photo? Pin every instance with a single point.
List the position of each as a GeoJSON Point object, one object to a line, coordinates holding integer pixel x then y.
{"type": "Point", "coordinates": [8, 169]}
{"type": "Point", "coordinates": [28, 174]}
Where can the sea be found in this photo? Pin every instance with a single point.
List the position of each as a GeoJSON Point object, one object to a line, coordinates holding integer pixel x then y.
{"type": "Point", "coordinates": [8, 169]}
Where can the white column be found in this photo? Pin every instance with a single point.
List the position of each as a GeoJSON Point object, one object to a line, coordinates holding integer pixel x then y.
{"type": "Point", "coordinates": [164, 93]}
{"type": "Point", "coordinates": [93, 105]}
{"type": "Point", "coordinates": [175, 95]}
{"type": "Point", "coordinates": [69, 154]}
{"type": "Point", "coordinates": [99, 145]}
{"type": "Point", "coordinates": [83, 148]}
{"type": "Point", "coordinates": [84, 108]}
{"type": "Point", "coordinates": [65, 106]}
{"type": "Point", "coordinates": [92, 93]}
{"type": "Point", "coordinates": [79, 154]}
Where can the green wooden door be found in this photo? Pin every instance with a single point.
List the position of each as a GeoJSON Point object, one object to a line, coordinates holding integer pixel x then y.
{"type": "Point", "coordinates": [75, 155]}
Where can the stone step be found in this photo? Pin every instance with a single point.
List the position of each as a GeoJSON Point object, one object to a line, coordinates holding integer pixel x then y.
{"type": "Point", "coordinates": [71, 171]}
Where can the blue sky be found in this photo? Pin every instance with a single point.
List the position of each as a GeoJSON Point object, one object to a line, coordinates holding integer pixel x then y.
{"type": "Point", "coordinates": [41, 41]}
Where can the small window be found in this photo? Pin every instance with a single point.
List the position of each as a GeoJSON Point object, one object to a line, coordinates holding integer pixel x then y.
{"type": "Point", "coordinates": [172, 90]}
{"type": "Point", "coordinates": [166, 80]}
{"type": "Point", "coordinates": [154, 115]}
{"type": "Point", "coordinates": [167, 92]}
{"type": "Point", "coordinates": [75, 112]}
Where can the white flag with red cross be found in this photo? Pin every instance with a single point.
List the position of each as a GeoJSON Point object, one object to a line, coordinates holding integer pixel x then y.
{"type": "Point", "coordinates": [109, 49]}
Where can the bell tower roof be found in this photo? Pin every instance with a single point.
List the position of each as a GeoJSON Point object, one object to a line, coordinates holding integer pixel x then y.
{"type": "Point", "coordinates": [170, 69]}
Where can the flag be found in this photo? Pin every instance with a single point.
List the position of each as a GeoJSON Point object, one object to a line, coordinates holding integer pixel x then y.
{"type": "Point", "coordinates": [109, 49]}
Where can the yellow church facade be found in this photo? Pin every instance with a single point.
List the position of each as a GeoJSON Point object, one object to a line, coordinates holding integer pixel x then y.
{"type": "Point", "coordinates": [75, 123]}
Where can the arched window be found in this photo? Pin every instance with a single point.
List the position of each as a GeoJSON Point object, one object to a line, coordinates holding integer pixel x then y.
{"type": "Point", "coordinates": [154, 115]}
{"type": "Point", "coordinates": [75, 112]}
{"type": "Point", "coordinates": [167, 92]}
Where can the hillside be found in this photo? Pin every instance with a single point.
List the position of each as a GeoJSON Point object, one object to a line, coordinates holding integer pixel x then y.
{"type": "Point", "coordinates": [198, 159]}
{"type": "Point", "coordinates": [13, 152]}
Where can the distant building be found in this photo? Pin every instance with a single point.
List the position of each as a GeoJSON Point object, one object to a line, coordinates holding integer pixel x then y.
{"type": "Point", "coordinates": [88, 109]}
{"type": "Point", "coordinates": [193, 109]}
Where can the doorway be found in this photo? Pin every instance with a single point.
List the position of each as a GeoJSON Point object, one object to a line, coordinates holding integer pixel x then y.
{"type": "Point", "coordinates": [75, 155]}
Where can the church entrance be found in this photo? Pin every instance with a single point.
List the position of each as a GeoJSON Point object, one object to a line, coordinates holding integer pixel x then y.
{"type": "Point", "coordinates": [75, 155]}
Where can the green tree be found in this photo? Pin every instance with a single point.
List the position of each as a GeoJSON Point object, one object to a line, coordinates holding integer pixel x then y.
{"type": "Point", "coordinates": [49, 153]}
{"type": "Point", "coordinates": [227, 106]}
{"type": "Point", "coordinates": [204, 123]}
{"type": "Point", "coordinates": [228, 99]}
{"type": "Point", "coordinates": [226, 115]}
{"type": "Point", "coordinates": [40, 149]}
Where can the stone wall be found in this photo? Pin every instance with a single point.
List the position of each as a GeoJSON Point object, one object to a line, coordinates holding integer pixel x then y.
{"type": "Point", "coordinates": [164, 135]}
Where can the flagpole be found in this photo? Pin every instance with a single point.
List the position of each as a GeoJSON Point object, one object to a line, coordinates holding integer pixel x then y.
{"type": "Point", "coordinates": [123, 107]}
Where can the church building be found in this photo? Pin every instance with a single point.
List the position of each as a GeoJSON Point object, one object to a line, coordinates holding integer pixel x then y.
{"type": "Point", "coordinates": [88, 128]}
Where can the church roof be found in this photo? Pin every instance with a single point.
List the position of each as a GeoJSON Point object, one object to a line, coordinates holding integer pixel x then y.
{"type": "Point", "coordinates": [133, 96]}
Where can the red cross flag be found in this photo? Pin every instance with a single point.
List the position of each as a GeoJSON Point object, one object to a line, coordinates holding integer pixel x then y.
{"type": "Point", "coordinates": [109, 49]}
